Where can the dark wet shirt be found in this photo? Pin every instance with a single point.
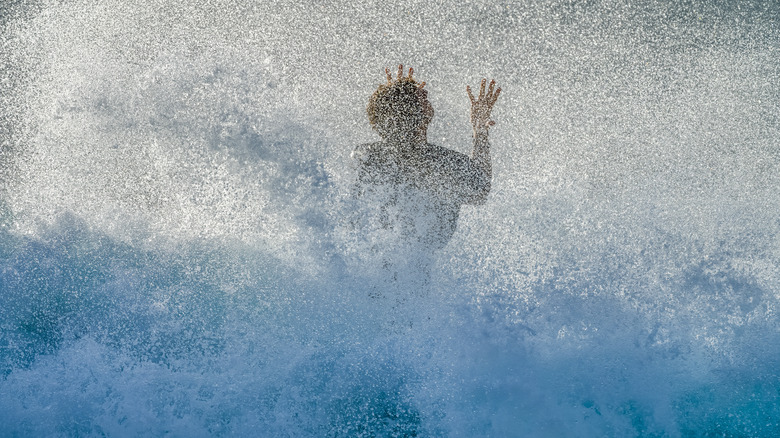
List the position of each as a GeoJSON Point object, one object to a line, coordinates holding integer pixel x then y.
{"type": "Point", "coordinates": [418, 196]}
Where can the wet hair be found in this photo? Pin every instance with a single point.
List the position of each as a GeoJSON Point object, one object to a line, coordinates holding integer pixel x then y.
{"type": "Point", "coordinates": [395, 108]}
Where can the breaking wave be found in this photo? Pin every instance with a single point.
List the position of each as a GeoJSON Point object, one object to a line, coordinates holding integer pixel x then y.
{"type": "Point", "coordinates": [174, 182]}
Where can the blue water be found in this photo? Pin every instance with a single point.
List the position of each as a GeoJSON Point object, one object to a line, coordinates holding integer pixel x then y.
{"type": "Point", "coordinates": [174, 260]}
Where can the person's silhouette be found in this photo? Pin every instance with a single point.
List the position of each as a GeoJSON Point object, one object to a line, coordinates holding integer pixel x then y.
{"type": "Point", "coordinates": [417, 187]}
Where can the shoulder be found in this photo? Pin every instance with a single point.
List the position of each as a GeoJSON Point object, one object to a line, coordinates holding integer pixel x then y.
{"type": "Point", "coordinates": [441, 153]}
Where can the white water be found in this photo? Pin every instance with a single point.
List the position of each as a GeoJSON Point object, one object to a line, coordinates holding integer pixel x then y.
{"type": "Point", "coordinates": [173, 180]}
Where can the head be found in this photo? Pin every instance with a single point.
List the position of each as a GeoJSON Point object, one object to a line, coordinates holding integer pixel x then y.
{"type": "Point", "coordinates": [400, 108]}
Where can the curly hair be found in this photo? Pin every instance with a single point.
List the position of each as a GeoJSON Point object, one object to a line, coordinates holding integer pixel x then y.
{"type": "Point", "coordinates": [395, 108]}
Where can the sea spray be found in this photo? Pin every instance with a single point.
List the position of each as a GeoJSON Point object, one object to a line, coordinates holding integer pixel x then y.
{"type": "Point", "coordinates": [173, 257]}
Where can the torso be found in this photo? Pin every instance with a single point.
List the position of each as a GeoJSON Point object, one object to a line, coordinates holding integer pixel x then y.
{"type": "Point", "coordinates": [419, 196]}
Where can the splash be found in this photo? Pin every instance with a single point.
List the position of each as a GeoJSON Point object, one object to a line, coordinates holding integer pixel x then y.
{"type": "Point", "coordinates": [174, 181]}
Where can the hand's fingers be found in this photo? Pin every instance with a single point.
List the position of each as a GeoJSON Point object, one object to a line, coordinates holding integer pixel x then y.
{"type": "Point", "coordinates": [411, 70]}
{"type": "Point", "coordinates": [400, 71]}
{"type": "Point", "coordinates": [482, 90]}
{"type": "Point", "coordinates": [422, 84]}
{"type": "Point", "coordinates": [471, 96]}
{"type": "Point", "coordinates": [389, 76]}
{"type": "Point", "coordinates": [495, 96]}
{"type": "Point", "coordinates": [490, 89]}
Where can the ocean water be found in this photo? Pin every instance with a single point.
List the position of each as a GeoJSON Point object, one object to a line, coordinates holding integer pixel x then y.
{"type": "Point", "coordinates": [173, 260]}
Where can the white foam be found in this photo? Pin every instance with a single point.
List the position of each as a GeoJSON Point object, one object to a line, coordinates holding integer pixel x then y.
{"type": "Point", "coordinates": [174, 262]}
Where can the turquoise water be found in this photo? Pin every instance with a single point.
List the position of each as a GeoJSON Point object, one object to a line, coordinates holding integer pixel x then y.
{"type": "Point", "coordinates": [173, 259]}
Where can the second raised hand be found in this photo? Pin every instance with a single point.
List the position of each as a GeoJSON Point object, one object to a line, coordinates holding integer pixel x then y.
{"type": "Point", "coordinates": [483, 105]}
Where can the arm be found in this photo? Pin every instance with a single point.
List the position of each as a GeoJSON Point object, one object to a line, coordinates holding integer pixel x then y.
{"type": "Point", "coordinates": [480, 120]}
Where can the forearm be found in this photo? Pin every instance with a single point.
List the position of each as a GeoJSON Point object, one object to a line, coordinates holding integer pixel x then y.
{"type": "Point", "coordinates": [481, 154]}
{"type": "Point", "coordinates": [481, 162]}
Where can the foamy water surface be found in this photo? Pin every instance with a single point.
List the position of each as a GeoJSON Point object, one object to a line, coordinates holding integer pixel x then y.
{"type": "Point", "coordinates": [173, 259]}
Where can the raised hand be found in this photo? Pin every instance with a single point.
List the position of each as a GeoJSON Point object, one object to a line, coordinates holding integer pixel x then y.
{"type": "Point", "coordinates": [401, 75]}
{"type": "Point", "coordinates": [482, 105]}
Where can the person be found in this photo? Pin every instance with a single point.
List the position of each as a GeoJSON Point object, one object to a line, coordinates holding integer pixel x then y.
{"type": "Point", "coordinates": [416, 189]}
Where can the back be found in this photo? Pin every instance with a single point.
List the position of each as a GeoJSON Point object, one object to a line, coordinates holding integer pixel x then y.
{"type": "Point", "coordinates": [416, 197]}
